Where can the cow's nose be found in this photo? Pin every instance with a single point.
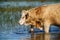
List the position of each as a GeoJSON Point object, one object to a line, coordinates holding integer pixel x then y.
{"type": "Point", "coordinates": [20, 23]}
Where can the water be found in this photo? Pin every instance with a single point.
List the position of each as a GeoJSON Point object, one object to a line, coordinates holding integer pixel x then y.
{"type": "Point", "coordinates": [10, 13]}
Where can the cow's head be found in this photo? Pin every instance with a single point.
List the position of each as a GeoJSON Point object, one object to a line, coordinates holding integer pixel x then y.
{"type": "Point", "coordinates": [27, 19]}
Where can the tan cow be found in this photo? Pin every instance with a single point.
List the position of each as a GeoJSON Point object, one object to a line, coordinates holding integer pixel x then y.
{"type": "Point", "coordinates": [44, 15]}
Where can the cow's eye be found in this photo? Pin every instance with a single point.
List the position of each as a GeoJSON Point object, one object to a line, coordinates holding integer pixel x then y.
{"type": "Point", "coordinates": [26, 16]}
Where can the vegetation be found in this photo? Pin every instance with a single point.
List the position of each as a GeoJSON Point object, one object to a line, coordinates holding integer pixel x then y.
{"type": "Point", "coordinates": [14, 9]}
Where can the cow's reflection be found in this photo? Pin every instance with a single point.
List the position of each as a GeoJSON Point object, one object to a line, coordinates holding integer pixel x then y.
{"type": "Point", "coordinates": [47, 37]}
{"type": "Point", "coordinates": [37, 37]}
{"type": "Point", "coordinates": [42, 36]}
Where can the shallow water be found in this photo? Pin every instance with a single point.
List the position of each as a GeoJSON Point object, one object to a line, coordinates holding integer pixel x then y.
{"type": "Point", "coordinates": [10, 13]}
{"type": "Point", "coordinates": [32, 36]}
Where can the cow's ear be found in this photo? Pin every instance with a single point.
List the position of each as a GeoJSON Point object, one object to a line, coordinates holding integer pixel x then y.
{"type": "Point", "coordinates": [24, 11]}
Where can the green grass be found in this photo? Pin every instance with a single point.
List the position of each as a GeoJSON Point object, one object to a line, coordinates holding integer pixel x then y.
{"type": "Point", "coordinates": [14, 9]}
{"type": "Point", "coordinates": [11, 15]}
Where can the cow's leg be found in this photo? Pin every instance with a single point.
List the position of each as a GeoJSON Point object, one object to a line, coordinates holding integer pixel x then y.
{"type": "Point", "coordinates": [31, 29]}
{"type": "Point", "coordinates": [47, 24]}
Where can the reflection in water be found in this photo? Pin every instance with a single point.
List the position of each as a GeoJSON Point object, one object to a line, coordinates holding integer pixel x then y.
{"type": "Point", "coordinates": [47, 36]}
{"type": "Point", "coordinates": [52, 36]}
{"type": "Point", "coordinates": [33, 36]}
{"type": "Point", "coordinates": [37, 37]}
{"type": "Point", "coordinates": [55, 36]}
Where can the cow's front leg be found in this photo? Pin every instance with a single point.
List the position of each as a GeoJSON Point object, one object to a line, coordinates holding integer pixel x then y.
{"type": "Point", "coordinates": [47, 24]}
{"type": "Point", "coordinates": [31, 29]}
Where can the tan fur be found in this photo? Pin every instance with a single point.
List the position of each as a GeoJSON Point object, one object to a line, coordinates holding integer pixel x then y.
{"type": "Point", "coordinates": [46, 15]}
